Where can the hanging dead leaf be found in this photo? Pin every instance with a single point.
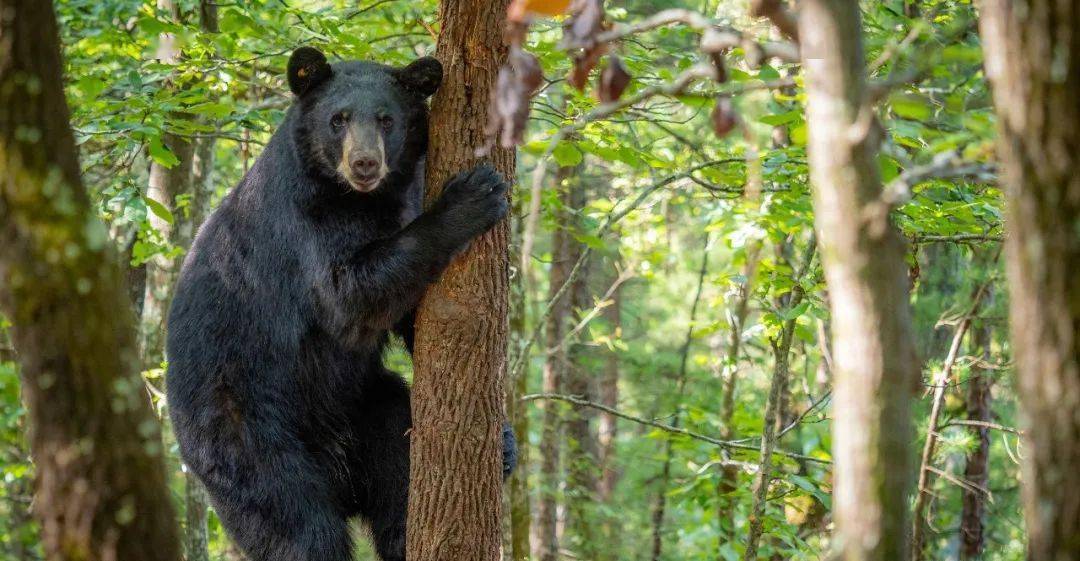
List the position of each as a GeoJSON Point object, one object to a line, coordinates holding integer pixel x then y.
{"type": "Point", "coordinates": [724, 117]}
{"type": "Point", "coordinates": [584, 62]}
{"type": "Point", "coordinates": [613, 80]}
{"type": "Point", "coordinates": [508, 115]}
{"type": "Point", "coordinates": [519, 10]}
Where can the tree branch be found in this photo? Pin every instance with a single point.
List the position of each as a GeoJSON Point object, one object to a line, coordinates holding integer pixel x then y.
{"type": "Point", "coordinates": [581, 402]}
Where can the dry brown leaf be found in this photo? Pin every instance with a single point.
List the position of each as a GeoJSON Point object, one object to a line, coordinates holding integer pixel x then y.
{"type": "Point", "coordinates": [724, 117]}
{"type": "Point", "coordinates": [613, 80]}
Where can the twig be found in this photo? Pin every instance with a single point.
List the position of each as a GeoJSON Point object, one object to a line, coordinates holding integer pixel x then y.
{"type": "Point", "coordinates": [956, 238]}
{"type": "Point", "coordinates": [985, 424]}
{"type": "Point", "coordinates": [943, 376]}
{"type": "Point", "coordinates": [947, 165]}
{"type": "Point", "coordinates": [578, 401]}
{"type": "Point", "coordinates": [612, 219]}
{"type": "Point", "coordinates": [961, 482]}
{"type": "Point", "coordinates": [716, 37]}
{"type": "Point", "coordinates": [675, 87]}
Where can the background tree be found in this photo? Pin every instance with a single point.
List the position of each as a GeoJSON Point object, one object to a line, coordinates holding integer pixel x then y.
{"type": "Point", "coordinates": [1038, 124]}
{"type": "Point", "coordinates": [874, 359]}
{"type": "Point", "coordinates": [100, 488]}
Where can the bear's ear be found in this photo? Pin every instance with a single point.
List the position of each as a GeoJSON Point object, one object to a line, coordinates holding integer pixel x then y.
{"type": "Point", "coordinates": [423, 75]}
{"type": "Point", "coordinates": [307, 68]}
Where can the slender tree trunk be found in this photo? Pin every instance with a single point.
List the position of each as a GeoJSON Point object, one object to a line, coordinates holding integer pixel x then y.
{"type": "Point", "coordinates": [517, 486]}
{"type": "Point", "coordinates": [165, 185]}
{"type": "Point", "coordinates": [781, 351]}
{"type": "Point", "coordinates": [200, 187]}
{"type": "Point", "coordinates": [725, 487]}
{"type": "Point", "coordinates": [875, 367]}
{"type": "Point", "coordinates": [581, 445]}
{"type": "Point", "coordinates": [461, 327]}
{"type": "Point", "coordinates": [1034, 70]}
{"type": "Point", "coordinates": [660, 506]}
{"type": "Point", "coordinates": [977, 467]}
{"type": "Point", "coordinates": [608, 394]}
{"type": "Point", "coordinates": [100, 488]}
{"type": "Point", "coordinates": [556, 364]}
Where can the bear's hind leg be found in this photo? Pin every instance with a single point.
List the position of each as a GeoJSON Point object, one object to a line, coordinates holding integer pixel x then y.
{"type": "Point", "coordinates": [277, 505]}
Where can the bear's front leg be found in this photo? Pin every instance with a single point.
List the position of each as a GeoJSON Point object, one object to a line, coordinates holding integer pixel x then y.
{"type": "Point", "coordinates": [381, 282]}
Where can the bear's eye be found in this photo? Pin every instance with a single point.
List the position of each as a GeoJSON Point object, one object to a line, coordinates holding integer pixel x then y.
{"type": "Point", "coordinates": [386, 122]}
{"type": "Point", "coordinates": [338, 121]}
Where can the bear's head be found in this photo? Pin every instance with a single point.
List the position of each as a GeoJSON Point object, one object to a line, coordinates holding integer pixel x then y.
{"type": "Point", "coordinates": [361, 124]}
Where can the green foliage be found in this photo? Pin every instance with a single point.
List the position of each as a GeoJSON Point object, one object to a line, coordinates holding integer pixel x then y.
{"type": "Point", "coordinates": [230, 85]}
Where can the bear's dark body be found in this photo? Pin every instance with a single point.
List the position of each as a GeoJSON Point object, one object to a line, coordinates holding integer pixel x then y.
{"type": "Point", "coordinates": [276, 387]}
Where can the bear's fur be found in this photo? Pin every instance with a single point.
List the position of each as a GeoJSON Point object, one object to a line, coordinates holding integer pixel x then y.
{"type": "Point", "coordinates": [276, 386]}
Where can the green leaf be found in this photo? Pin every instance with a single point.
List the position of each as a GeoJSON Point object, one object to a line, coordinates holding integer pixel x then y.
{"type": "Point", "coordinates": [910, 106]}
{"type": "Point", "coordinates": [566, 154]}
{"type": "Point", "coordinates": [768, 73]}
{"type": "Point", "coordinates": [798, 135]}
{"type": "Point", "coordinates": [782, 118]}
{"type": "Point", "coordinates": [159, 210]}
{"type": "Point", "coordinates": [161, 153]}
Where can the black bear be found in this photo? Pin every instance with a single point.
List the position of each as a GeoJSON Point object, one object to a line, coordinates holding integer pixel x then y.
{"type": "Point", "coordinates": [276, 385]}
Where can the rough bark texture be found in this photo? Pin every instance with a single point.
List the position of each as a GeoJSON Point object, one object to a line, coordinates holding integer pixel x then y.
{"type": "Point", "coordinates": [100, 488]}
{"type": "Point", "coordinates": [555, 367]}
{"type": "Point", "coordinates": [461, 326]}
{"type": "Point", "coordinates": [977, 467]}
{"type": "Point", "coordinates": [875, 367]}
{"type": "Point", "coordinates": [1034, 70]}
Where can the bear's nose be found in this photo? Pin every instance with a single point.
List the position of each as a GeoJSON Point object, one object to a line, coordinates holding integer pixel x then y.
{"type": "Point", "coordinates": [364, 166]}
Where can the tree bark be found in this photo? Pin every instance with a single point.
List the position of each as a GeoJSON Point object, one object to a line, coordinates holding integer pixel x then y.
{"type": "Point", "coordinates": [1032, 63]}
{"type": "Point", "coordinates": [977, 468]}
{"type": "Point", "coordinates": [875, 365]}
{"type": "Point", "coordinates": [100, 492]}
{"type": "Point", "coordinates": [461, 327]}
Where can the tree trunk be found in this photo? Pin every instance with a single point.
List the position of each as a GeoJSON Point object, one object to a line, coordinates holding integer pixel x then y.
{"type": "Point", "coordinates": [875, 366]}
{"type": "Point", "coordinates": [516, 412]}
{"type": "Point", "coordinates": [100, 488]}
{"type": "Point", "coordinates": [977, 467]}
{"type": "Point", "coordinates": [461, 327]}
{"type": "Point", "coordinates": [555, 367]}
{"type": "Point", "coordinates": [608, 394]}
{"type": "Point", "coordinates": [771, 428]}
{"type": "Point", "coordinates": [660, 506]}
{"type": "Point", "coordinates": [581, 445]}
{"type": "Point", "coordinates": [729, 475]}
{"type": "Point", "coordinates": [1032, 63]}
{"type": "Point", "coordinates": [200, 186]}
{"type": "Point", "coordinates": [164, 186]}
